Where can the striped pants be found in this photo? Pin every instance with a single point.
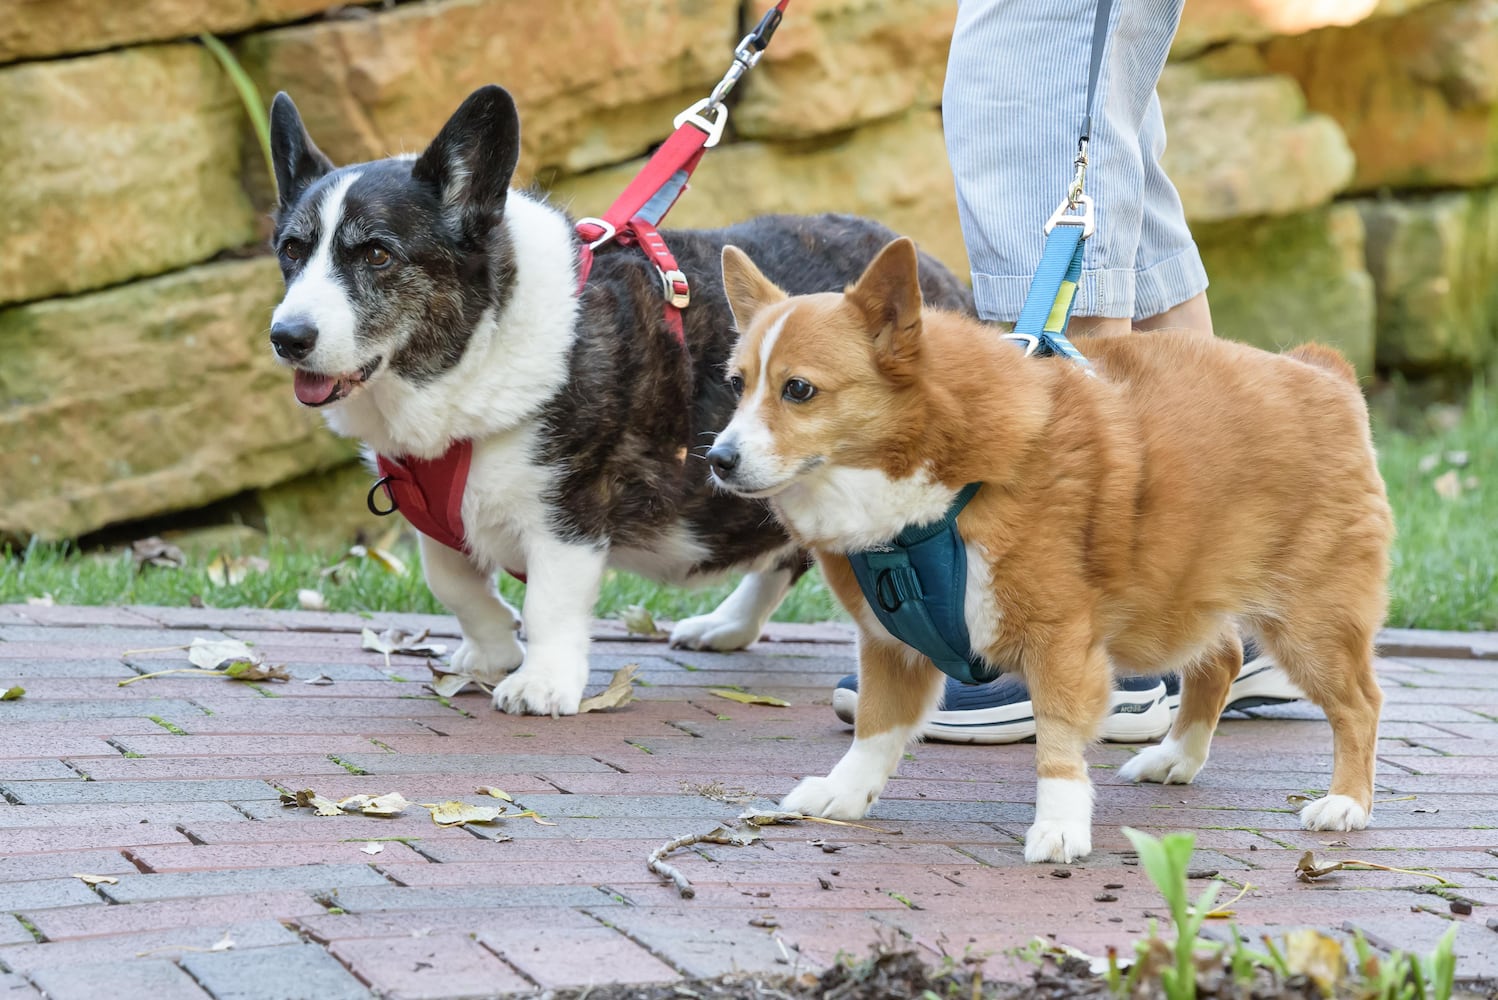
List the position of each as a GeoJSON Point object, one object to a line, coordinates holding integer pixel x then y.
{"type": "Point", "coordinates": [1015, 95]}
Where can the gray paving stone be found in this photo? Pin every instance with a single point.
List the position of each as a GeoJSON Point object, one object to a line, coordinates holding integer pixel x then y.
{"type": "Point", "coordinates": [166, 813]}
{"type": "Point", "coordinates": [12, 932]}
{"type": "Point", "coordinates": [40, 770]}
{"type": "Point", "coordinates": [14, 987]}
{"type": "Point", "coordinates": [683, 806]}
{"type": "Point", "coordinates": [172, 709]}
{"type": "Point", "coordinates": [38, 793]}
{"type": "Point", "coordinates": [700, 947]}
{"type": "Point", "coordinates": [173, 885]}
{"type": "Point", "coordinates": [142, 979]}
{"type": "Point", "coordinates": [164, 944]}
{"type": "Point", "coordinates": [440, 763]}
{"type": "Point", "coordinates": [393, 897]}
{"type": "Point", "coordinates": [292, 972]}
{"type": "Point", "coordinates": [45, 893]}
{"type": "Point", "coordinates": [23, 669]}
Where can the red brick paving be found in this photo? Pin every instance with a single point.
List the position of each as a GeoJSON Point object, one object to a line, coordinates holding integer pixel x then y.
{"type": "Point", "coordinates": [181, 809]}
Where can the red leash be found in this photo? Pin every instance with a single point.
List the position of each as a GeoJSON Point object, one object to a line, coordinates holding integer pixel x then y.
{"type": "Point", "coordinates": [429, 492]}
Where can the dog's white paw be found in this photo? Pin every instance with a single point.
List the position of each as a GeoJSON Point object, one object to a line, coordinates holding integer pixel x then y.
{"type": "Point", "coordinates": [533, 691]}
{"type": "Point", "coordinates": [829, 798]}
{"type": "Point", "coordinates": [488, 663]}
{"type": "Point", "coordinates": [1166, 764]}
{"type": "Point", "coordinates": [1334, 812]}
{"type": "Point", "coordinates": [1057, 842]}
{"type": "Point", "coordinates": [715, 631]}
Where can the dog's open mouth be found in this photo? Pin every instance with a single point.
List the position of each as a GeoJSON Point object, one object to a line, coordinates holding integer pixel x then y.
{"type": "Point", "coordinates": [313, 389]}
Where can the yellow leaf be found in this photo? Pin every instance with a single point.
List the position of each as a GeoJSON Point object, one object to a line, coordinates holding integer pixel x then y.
{"type": "Point", "coordinates": [320, 806]}
{"type": "Point", "coordinates": [11, 694]}
{"type": "Point", "coordinates": [498, 793]}
{"type": "Point", "coordinates": [745, 698]}
{"type": "Point", "coordinates": [621, 691]}
{"type": "Point", "coordinates": [97, 879]}
{"type": "Point", "coordinates": [531, 814]}
{"type": "Point", "coordinates": [454, 813]}
{"type": "Point", "coordinates": [639, 621]}
{"type": "Point", "coordinates": [390, 804]}
{"type": "Point", "coordinates": [390, 563]}
{"type": "Point", "coordinates": [1448, 484]}
{"type": "Point", "coordinates": [1316, 955]}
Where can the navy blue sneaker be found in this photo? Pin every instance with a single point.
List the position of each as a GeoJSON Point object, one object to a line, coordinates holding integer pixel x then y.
{"type": "Point", "coordinates": [1000, 711]}
{"type": "Point", "coordinates": [1260, 681]}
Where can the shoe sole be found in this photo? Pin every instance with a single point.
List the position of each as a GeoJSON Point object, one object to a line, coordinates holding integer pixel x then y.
{"type": "Point", "coordinates": [1259, 684]}
{"type": "Point", "coordinates": [1140, 723]}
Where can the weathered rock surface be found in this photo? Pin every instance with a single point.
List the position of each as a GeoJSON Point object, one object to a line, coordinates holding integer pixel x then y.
{"type": "Point", "coordinates": [1245, 146]}
{"type": "Point", "coordinates": [1211, 22]}
{"type": "Point", "coordinates": [152, 397]}
{"type": "Point", "coordinates": [1417, 95]}
{"type": "Point", "coordinates": [595, 82]}
{"type": "Point", "coordinates": [835, 64]}
{"type": "Point", "coordinates": [116, 166]}
{"type": "Point", "coordinates": [1277, 282]}
{"type": "Point", "coordinates": [324, 510]}
{"type": "Point", "coordinates": [894, 171]}
{"type": "Point", "coordinates": [1433, 261]}
{"type": "Point", "coordinates": [32, 29]}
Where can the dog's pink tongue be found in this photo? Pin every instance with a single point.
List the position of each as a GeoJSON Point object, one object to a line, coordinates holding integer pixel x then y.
{"type": "Point", "coordinates": [314, 390]}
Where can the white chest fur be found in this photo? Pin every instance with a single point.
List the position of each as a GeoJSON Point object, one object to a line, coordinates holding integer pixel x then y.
{"type": "Point", "coordinates": [845, 510]}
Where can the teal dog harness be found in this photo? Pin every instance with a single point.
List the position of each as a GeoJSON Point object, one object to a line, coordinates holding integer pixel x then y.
{"type": "Point", "coordinates": [915, 586]}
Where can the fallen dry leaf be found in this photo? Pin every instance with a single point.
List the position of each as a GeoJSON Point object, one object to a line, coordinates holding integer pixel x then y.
{"type": "Point", "coordinates": [621, 691]}
{"type": "Point", "coordinates": [531, 814]}
{"type": "Point", "coordinates": [498, 793]}
{"type": "Point", "coordinates": [246, 671]}
{"type": "Point", "coordinates": [311, 600]}
{"type": "Point", "coordinates": [1308, 871]}
{"type": "Point", "coordinates": [155, 551]}
{"type": "Point", "coordinates": [321, 680]}
{"type": "Point", "coordinates": [399, 641]}
{"type": "Point", "coordinates": [374, 848]}
{"type": "Point", "coordinates": [225, 943]}
{"type": "Point", "coordinates": [1316, 955]}
{"type": "Point", "coordinates": [1448, 484]}
{"type": "Point", "coordinates": [45, 601]}
{"type": "Point", "coordinates": [97, 879]}
{"type": "Point", "coordinates": [639, 621]}
{"type": "Point", "coordinates": [448, 684]}
{"type": "Point", "coordinates": [454, 813]}
{"type": "Point", "coordinates": [307, 797]}
{"type": "Point", "coordinates": [210, 654]}
{"type": "Point", "coordinates": [11, 694]}
{"type": "Point", "coordinates": [230, 571]}
{"type": "Point", "coordinates": [746, 698]}
{"type": "Point", "coordinates": [389, 804]}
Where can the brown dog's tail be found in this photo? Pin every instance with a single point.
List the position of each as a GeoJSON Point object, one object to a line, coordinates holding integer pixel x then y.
{"type": "Point", "coordinates": [1325, 357]}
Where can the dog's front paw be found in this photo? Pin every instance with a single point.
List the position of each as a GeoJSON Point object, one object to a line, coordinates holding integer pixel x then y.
{"type": "Point", "coordinates": [1334, 812]}
{"type": "Point", "coordinates": [1057, 842]}
{"type": "Point", "coordinates": [487, 663]}
{"type": "Point", "coordinates": [715, 631]}
{"type": "Point", "coordinates": [1167, 764]}
{"type": "Point", "coordinates": [828, 798]}
{"type": "Point", "coordinates": [532, 691]}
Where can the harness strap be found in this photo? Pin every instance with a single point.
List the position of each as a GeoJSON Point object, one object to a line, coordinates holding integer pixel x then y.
{"type": "Point", "coordinates": [1053, 291]}
{"type": "Point", "coordinates": [428, 492]}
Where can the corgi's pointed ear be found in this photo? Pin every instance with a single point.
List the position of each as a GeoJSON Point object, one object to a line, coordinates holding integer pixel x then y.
{"type": "Point", "coordinates": [297, 160]}
{"type": "Point", "coordinates": [747, 288]}
{"type": "Point", "coordinates": [889, 296]}
{"type": "Point", "coordinates": [471, 161]}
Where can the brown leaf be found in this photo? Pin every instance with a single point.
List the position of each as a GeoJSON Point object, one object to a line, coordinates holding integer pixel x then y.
{"type": "Point", "coordinates": [621, 691]}
{"type": "Point", "coordinates": [320, 806]}
{"type": "Point", "coordinates": [246, 671]}
{"type": "Point", "coordinates": [155, 551]}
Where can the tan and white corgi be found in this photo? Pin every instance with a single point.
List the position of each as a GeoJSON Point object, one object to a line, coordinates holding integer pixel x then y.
{"type": "Point", "coordinates": [1132, 522]}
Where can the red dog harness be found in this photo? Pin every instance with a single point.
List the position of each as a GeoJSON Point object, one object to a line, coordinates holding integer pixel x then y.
{"type": "Point", "coordinates": [428, 492]}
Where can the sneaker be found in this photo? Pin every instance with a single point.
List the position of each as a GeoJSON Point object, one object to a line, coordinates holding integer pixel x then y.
{"type": "Point", "coordinates": [1000, 711]}
{"type": "Point", "coordinates": [1260, 682]}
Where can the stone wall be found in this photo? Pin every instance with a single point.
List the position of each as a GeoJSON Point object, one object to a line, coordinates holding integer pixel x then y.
{"type": "Point", "coordinates": [1338, 163]}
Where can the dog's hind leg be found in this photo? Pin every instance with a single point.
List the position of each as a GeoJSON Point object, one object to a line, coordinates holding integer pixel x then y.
{"type": "Point", "coordinates": [740, 619]}
{"type": "Point", "coordinates": [1204, 690]}
{"type": "Point", "coordinates": [897, 689]}
{"type": "Point", "coordinates": [1333, 665]}
{"type": "Point", "coordinates": [1069, 687]}
{"type": "Point", "coordinates": [490, 648]}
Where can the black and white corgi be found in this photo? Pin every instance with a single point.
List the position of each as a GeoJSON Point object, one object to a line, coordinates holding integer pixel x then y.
{"type": "Point", "coordinates": [428, 303]}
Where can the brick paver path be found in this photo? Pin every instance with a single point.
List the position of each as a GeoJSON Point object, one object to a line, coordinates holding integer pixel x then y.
{"type": "Point", "coordinates": [170, 787]}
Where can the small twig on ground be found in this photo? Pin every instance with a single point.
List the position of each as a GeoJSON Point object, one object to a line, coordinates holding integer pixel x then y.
{"type": "Point", "coordinates": [718, 835]}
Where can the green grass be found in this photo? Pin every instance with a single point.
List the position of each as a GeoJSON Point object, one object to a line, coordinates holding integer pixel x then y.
{"type": "Point", "coordinates": [1445, 572]}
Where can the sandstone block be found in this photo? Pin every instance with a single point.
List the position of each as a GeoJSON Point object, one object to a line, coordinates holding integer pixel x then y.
{"type": "Point", "coordinates": [1416, 95]}
{"type": "Point", "coordinates": [1212, 22]}
{"type": "Point", "coordinates": [325, 510]}
{"type": "Point", "coordinates": [33, 29]}
{"type": "Point", "coordinates": [835, 64]}
{"type": "Point", "coordinates": [894, 171]}
{"type": "Point", "coordinates": [1433, 261]}
{"type": "Point", "coordinates": [153, 397]}
{"type": "Point", "coordinates": [1245, 146]}
{"type": "Point", "coordinates": [116, 166]}
{"type": "Point", "coordinates": [1280, 282]}
{"type": "Point", "coordinates": [595, 82]}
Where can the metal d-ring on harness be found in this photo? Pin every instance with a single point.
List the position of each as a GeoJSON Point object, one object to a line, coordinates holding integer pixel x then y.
{"type": "Point", "coordinates": [917, 584]}
{"type": "Point", "coordinates": [429, 492]}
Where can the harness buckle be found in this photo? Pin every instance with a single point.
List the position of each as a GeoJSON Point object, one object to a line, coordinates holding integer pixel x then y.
{"type": "Point", "coordinates": [369, 500]}
{"type": "Point", "coordinates": [678, 292]}
{"type": "Point", "coordinates": [1063, 217]}
{"type": "Point", "coordinates": [609, 232]}
{"type": "Point", "coordinates": [1030, 342]}
{"type": "Point", "coordinates": [698, 114]}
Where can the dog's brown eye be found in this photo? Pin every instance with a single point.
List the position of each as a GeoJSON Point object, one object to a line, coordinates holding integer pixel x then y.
{"type": "Point", "coordinates": [798, 390]}
{"type": "Point", "coordinates": [377, 257]}
{"type": "Point", "coordinates": [736, 383]}
{"type": "Point", "coordinates": [294, 249]}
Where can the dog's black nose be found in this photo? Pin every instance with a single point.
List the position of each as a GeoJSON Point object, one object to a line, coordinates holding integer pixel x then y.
{"type": "Point", "coordinates": [723, 459]}
{"type": "Point", "coordinates": [294, 338]}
